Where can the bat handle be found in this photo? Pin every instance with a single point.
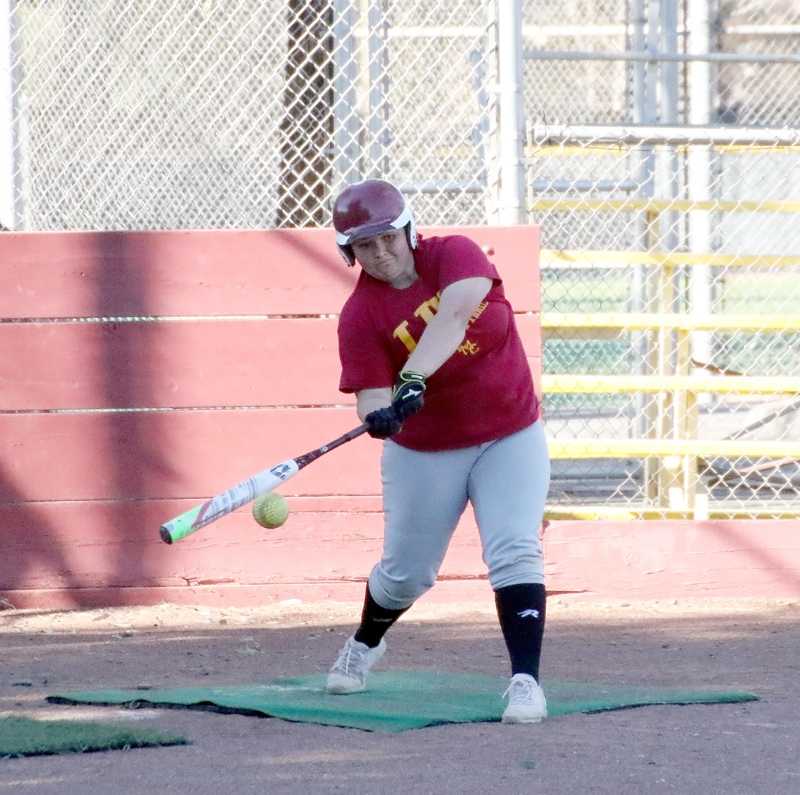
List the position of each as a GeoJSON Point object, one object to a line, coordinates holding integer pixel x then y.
{"type": "Point", "coordinates": [305, 459]}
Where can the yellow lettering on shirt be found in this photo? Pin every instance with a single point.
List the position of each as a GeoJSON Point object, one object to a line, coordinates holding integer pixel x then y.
{"type": "Point", "coordinates": [404, 335]}
{"type": "Point", "coordinates": [478, 312]}
{"type": "Point", "coordinates": [427, 309]}
{"type": "Point", "coordinates": [468, 348]}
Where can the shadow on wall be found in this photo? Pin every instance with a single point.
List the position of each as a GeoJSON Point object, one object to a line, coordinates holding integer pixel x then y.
{"type": "Point", "coordinates": [34, 554]}
{"type": "Point", "coordinates": [94, 469]}
{"type": "Point", "coordinates": [318, 251]}
{"type": "Point", "coordinates": [134, 452]}
{"type": "Point", "coordinates": [71, 517]}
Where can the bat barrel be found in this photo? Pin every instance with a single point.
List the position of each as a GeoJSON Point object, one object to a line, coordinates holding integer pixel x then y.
{"type": "Point", "coordinates": [261, 483]}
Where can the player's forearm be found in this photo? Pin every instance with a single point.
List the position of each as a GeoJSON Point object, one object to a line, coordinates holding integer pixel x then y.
{"type": "Point", "coordinates": [368, 400]}
{"type": "Point", "coordinates": [446, 329]}
{"type": "Point", "coordinates": [438, 343]}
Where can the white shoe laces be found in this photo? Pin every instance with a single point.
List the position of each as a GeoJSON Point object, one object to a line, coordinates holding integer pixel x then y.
{"type": "Point", "coordinates": [352, 656]}
{"type": "Point", "coordinates": [521, 690]}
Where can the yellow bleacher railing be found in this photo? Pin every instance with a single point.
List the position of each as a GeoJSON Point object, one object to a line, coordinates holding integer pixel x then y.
{"type": "Point", "coordinates": [672, 479]}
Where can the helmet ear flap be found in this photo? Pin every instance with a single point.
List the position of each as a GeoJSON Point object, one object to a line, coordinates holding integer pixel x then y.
{"type": "Point", "coordinates": [347, 255]}
{"type": "Point", "coordinates": [411, 234]}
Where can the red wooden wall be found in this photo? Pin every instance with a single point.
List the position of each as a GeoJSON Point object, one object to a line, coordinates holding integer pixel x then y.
{"type": "Point", "coordinates": [230, 365]}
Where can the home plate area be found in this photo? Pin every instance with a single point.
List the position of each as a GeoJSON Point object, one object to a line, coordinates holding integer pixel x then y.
{"type": "Point", "coordinates": [396, 701]}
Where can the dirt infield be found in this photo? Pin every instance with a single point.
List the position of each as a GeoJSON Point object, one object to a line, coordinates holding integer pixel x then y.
{"type": "Point", "coordinates": [736, 748]}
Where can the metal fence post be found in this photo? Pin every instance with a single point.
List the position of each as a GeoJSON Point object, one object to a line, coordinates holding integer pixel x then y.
{"type": "Point", "coordinates": [698, 164]}
{"type": "Point", "coordinates": [10, 211]}
{"type": "Point", "coordinates": [346, 122]}
{"type": "Point", "coordinates": [377, 71]}
{"type": "Point", "coordinates": [512, 122]}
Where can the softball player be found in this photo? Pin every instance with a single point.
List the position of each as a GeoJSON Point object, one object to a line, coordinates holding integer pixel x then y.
{"type": "Point", "coordinates": [428, 344]}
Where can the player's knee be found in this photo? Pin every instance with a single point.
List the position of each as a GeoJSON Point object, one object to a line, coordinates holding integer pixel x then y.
{"type": "Point", "coordinates": [399, 591]}
{"type": "Point", "coordinates": [409, 588]}
{"type": "Point", "coordinates": [517, 570]}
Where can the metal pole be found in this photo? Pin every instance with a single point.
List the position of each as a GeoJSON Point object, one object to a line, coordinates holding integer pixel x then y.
{"type": "Point", "coordinates": [484, 73]}
{"type": "Point", "coordinates": [653, 347]}
{"type": "Point", "coordinates": [512, 123]}
{"type": "Point", "coordinates": [345, 95]}
{"type": "Point", "coordinates": [698, 167]}
{"type": "Point", "coordinates": [669, 68]}
{"type": "Point", "coordinates": [641, 420]}
{"type": "Point", "coordinates": [645, 111]}
{"type": "Point", "coordinates": [615, 136]}
{"type": "Point", "coordinates": [10, 210]}
{"type": "Point", "coordinates": [669, 167]}
{"type": "Point", "coordinates": [653, 46]}
{"type": "Point", "coordinates": [660, 57]}
{"type": "Point", "coordinates": [377, 63]}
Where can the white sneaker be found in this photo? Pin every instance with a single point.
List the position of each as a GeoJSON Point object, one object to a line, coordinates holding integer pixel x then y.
{"type": "Point", "coordinates": [349, 672]}
{"type": "Point", "coordinates": [526, 701]}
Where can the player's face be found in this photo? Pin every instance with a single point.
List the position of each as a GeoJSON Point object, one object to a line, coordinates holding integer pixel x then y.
{"type": "Point", "coordinates": [387, 257]}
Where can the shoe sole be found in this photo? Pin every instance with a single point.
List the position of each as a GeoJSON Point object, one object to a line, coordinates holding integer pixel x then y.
{"type": "Point", "coordinates": [344, 689]}
{"type": "Point", "coordinates": [512, 715]}
{"type": "Point", "coordinates": [512, 720]}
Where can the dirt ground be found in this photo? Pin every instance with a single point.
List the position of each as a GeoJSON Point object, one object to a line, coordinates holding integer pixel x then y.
{"type": "Point", "coordinates": [736, 748]}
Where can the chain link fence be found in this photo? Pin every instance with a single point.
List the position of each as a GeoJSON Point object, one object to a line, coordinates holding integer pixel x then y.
{"type": "Point", "coordinates": [151, 115]}
{"type": "Point", "coordinates": [661, 159]}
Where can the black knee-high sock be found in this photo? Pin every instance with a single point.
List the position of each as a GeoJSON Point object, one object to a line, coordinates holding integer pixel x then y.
{"type": "Point", "coordinates": [375, 621]}
{"type": "Point", "coordinates": [521, 610]}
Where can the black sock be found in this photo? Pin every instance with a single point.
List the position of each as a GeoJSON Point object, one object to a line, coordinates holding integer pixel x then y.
{"type": "Point", "coordinates": [521, 610]}
{"type": "Point", "coordinates": [375, 621]}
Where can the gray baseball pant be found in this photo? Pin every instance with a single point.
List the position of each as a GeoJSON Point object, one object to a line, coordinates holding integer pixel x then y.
{"type": "Point", "coordinates": [425, 494]}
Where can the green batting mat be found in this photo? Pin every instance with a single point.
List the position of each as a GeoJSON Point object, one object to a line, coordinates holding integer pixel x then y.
{"type": "Point", "coordinates": [29, 737]}
{"type": "Point", "coordinates": [396, 700]}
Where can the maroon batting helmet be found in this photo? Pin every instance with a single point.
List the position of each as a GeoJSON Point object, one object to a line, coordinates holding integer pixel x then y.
{"type": "Point", "coordinates": [368, 208]}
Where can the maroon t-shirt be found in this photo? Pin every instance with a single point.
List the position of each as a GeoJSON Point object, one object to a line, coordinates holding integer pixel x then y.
{"type": "Point", "coordinates": [482, 392]}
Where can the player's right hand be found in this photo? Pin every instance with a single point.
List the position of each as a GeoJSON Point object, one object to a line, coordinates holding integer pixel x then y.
{"type": "Point", "coordinates": [383, 423]}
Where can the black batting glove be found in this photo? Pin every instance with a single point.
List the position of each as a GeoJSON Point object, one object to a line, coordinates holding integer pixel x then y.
{"type": "Point", "coordinates": [408, 394]}
{"type": "Point", "coordinates": [383, 423]}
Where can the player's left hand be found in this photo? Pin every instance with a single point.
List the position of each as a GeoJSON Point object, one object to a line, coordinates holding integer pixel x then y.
{"type": "Point", "coordinates": [408, 394]}
{"type": "Point", "coordinates": [383, 423]}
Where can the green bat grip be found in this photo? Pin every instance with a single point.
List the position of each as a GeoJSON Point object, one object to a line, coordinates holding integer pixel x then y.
{"type": "Point", "coordinates": [180, 527]}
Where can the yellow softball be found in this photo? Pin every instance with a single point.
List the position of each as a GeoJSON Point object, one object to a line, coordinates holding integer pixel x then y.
{"type": "Point", "coordinates": [270, 511]}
